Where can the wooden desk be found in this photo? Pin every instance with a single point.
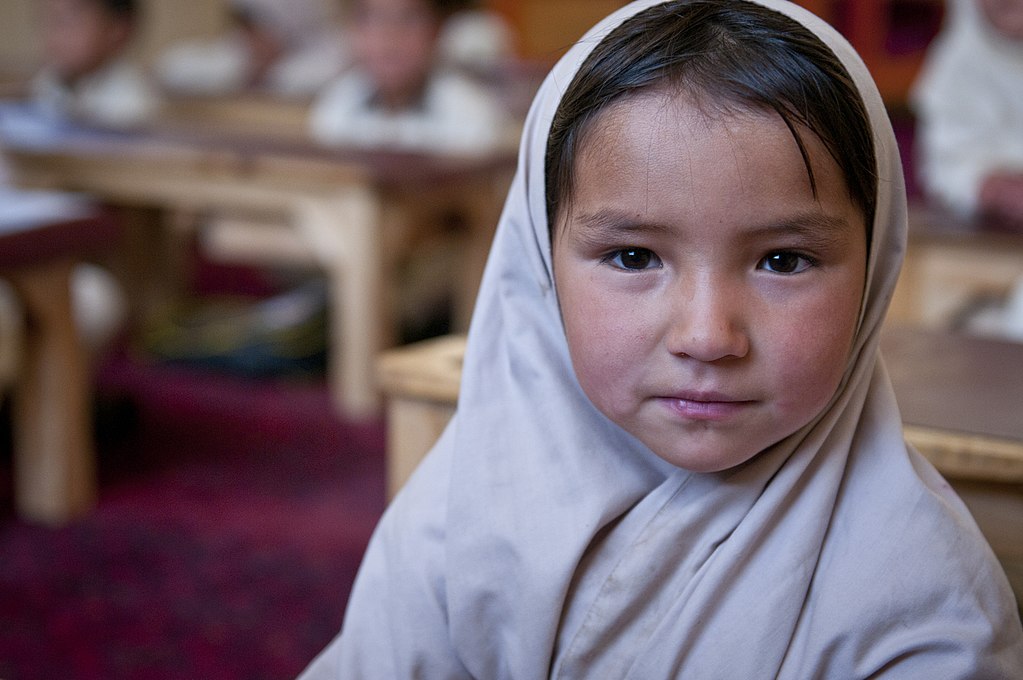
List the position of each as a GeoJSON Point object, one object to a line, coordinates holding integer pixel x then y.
{"type": "Point", "coordinates": [421, 382]}
{"type": "Point", "coordinates": [42, 237]}
{"type": "Point", "coordinates": [949, 263]}
{"type": "Point", "coordinates": [350, 213]}
{"type": "Point", "coordinates": [962, 404]}
{"type": "Point", "coordinates": [252, 114]}
{"type": "Point", "coordinates": [961, 401]}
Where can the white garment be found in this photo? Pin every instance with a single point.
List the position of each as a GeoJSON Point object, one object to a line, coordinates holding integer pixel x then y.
{"type": "Point", "coordinates": [837, 553]}
{"type": "Point", "coordinates": [222, 66]}
{"type": "Point", "coordinates": [219, 66]}
{"type": "Point", "coordinates": [314, 48]}
{"type": "Point", "coordinates": [309, 67]}
{"type": "Point", "coordinates": [456, 116]}
{"type": "Point", "coordinates": [292, 21]}
{"type": "Point", "coordinates": [117, 95]}
{"type": "Point", "coordinates": [969, 103]}
{"type": "Point", "coordinates": [479, 40]}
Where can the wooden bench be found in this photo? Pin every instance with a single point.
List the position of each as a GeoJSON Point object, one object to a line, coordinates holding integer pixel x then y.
{"type": "Point", "coordinates": [961, 400]}
{"type": "Point", "coordinates": [42, 237]}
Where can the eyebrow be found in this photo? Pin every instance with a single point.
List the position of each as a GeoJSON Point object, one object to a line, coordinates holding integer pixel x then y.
{"type": "Point", "coordinates": [812, 228]}
{"type": "Point", "coordinates": [611, 225]}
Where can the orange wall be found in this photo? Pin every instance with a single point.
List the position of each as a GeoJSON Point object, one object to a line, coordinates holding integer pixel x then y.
{"type": "Point", "coordinates": [547, 28]}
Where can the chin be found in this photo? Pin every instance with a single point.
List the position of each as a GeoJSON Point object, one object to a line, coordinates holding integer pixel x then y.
{"type": "Point", "coordinates": [702, 463]}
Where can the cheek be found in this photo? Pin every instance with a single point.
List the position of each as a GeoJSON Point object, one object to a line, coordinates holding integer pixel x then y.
{"type": "Point", "coordinates": [69, 56]}
{"type": "Point", "coordinates": [812, 357]}
{"type": "Point", "coordinates": [605, 342]}
{"type": "Point", "coordinates": [586, 331]}
{"type": "Point", "coordinates": [367, 46]}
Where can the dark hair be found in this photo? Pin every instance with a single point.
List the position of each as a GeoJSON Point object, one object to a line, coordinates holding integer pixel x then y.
{"type": "Point", "coordinates": [124, 9]}
{"type": "Point", "coordinates": [728, 53]}
{"type": "Point", "coordinates": [442, 8]}
{"type": "Point", "coordinates": [448, 7]}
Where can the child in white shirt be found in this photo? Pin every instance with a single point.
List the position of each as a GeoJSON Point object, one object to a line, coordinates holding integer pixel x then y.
{"type": "Point", "coordinates": [397, 94]}
{"type": "Point", "coordinates": [286, 48]}
{"type": "Point", "coordinates": [969, 102]}
{"type": "Point", "coordinates": [87, 75]}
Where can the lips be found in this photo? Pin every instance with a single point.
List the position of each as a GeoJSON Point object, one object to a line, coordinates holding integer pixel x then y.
{"type": "Point", "coordinates": [705, 406]}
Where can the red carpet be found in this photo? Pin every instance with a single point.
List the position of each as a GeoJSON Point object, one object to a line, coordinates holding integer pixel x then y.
{"type": "Point", "coordinates": [232, 517]}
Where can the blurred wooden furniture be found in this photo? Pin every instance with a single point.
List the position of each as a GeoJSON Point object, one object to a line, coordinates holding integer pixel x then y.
{"type": "Point", "coordinates": [962, 404]}
{"type": "Point", "coordinates": [41, 238]}
{"type": "Point", "coordinates": [350, 213]}
{"type": "Point", "coordinates": [949, 263]}
{"type": "Point", "coordinates": [421, 382]}
{"type": "Point", "coordinates": [249, 114]}
{"type": "Point", "coordinates": [961, 401]}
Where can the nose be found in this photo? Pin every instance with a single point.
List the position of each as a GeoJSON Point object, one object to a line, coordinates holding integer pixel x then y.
{"type": "Point", "coordinates": [707, 320]}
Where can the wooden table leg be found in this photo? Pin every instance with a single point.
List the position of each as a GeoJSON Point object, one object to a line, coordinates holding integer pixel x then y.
{"type": "Point", "coordinates": [413, 427]}
{"type": "Point", "coordinates": [54, 463]}
{"type": "Point", "coordinates": [345, 231]}
{"type": "Point", "coordinates": [150, 260]}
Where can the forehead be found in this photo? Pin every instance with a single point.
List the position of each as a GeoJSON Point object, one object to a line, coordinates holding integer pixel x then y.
{"type": "Point", "coordinates": [670, 156]}
{"type": "Point", "coordinates": [662, 125]}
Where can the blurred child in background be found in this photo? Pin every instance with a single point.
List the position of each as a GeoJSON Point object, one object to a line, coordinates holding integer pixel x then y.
{"type": "Point", "coordinates": [969, 101]}
{"type": "Point", "coordinates": [399, 92]}
{"type": "Point", "coordinates": [477, 40]}
{"type": "Point", "coordinates": [87, 77]}
{"type": "Point", "coordinates": [87, 74]}
{"type": "Point", "coordinates": [290, 48]}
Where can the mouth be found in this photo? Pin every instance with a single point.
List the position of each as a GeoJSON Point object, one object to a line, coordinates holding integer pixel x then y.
{"type": "Point", "coordinates": [705, 406]}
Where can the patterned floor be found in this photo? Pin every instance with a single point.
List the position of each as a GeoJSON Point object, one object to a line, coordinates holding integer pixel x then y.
{"type": "Point", "coordinates": [232, 518]}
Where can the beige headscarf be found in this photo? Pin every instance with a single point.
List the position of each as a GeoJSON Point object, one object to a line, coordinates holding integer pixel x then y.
{"type": "Point", "coordinates": [538, 539]}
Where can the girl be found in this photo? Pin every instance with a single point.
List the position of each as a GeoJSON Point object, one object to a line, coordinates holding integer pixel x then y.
{"type": "Point", "coordinates": [677, 452]}
{"type": "Point", "coordinates": [87, 75]}
{"type": "Point", "coordinates": [397, 95]}
{"type": "Point", "coordinates": [287, 48]}
{"type": "Point", "coordinates": [969, 99]}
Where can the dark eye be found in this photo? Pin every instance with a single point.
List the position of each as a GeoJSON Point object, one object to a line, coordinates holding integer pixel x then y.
{"type": "Point", "coordinates": [634, 258]}
{"type": "Point", "coordinates": [785, 263]}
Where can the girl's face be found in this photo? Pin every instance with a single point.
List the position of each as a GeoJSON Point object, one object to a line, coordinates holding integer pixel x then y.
{"type": "Point", "coordinates": [79, 36]}
{"type": "Point", "coordinates": [1006, 16]}
{"type": "Point", "coordinates": [394, 43]}
{"type": "Point", "coordinates": [709, 300]}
